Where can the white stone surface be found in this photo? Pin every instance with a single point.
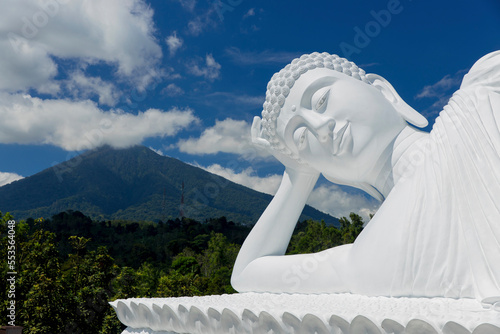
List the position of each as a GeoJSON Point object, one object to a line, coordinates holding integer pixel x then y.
{"type": "Point", "coordinates": [295, 313]}
{"type": "Point", "coordinates": [437, 233]}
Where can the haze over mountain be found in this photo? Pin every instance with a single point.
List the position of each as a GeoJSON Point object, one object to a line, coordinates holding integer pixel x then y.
{"type": "Point", "coordinates": [135, 184]}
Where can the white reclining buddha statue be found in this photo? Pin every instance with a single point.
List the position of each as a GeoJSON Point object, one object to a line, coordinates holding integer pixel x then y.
{"type": "Point", "coordinates": [437, 232]}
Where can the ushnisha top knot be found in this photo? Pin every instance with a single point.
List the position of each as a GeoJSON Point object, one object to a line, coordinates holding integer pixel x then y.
{"type": "Point", "coordinates": [280, 84]}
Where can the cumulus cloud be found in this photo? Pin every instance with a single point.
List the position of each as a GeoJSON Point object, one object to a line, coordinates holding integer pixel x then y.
{"type": "Point", "coordinates": [328, 198]}
{"type": "Point", "coordinates": [6, 178]}
{"type": "Point", "coordinates": [174, 43]}
{"type": "Point", "coordinates": [210, 71]}
{"type": "Point", "coordinates": [115, 32]}
{"type": "Point", "coordinates": [332, 199]}
{"type": "Point", "coordinates": [82, 87]}
{"type": "Point", "coordinates": [227, 136]}
{"type": "Point", "coordinates": [172, 90]}
{"type": "Point", "coordinates": [247, 178]}
{"type": "Point", "coordinates": [82, 125]}
{"type": "Point", "coordinates": [28, 67]}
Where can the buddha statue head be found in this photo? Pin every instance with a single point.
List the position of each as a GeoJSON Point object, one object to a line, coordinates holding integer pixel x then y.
{"type": "Point", "coordinates": [326, 112]}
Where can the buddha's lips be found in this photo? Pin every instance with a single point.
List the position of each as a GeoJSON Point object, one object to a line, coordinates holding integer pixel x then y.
{"type": "Point", "coordinates": [338, 138]}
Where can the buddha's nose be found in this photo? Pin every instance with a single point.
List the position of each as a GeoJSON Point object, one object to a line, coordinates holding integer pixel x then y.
{"type": "Point", "coordinates": [323, 127]}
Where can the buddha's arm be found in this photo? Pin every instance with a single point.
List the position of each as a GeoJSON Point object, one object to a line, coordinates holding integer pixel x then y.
{"type": "Point", "coordinates": [272, 232]}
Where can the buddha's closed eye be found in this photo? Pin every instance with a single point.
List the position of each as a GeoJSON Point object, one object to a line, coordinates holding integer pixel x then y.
{"type": "Point", "coordinates": [319, 100]}
{"type": "Point", "coordinates": [300, 137]}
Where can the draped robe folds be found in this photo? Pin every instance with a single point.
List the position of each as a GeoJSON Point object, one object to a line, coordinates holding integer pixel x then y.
{"type": "Point", "coordinates": [438, 231]}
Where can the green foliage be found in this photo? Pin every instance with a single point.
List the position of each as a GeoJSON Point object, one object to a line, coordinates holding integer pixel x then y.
{"type": "Point", "coordinates": [111, 324]}
{"type": "Point", "coordinates": [71, 297]}
{"type": "Point", "coordinates": [125, 284]}
{"type": "Point", "coordinates": [131, 244]}
{"type": "Point", "coordinates": [41, 290]}
{"type": "Point", "coordinates": [186, 265]}
{"type": "Point", "coordinates": [21, 230]}
{"type": "Point", "coordinates": [316, 237]}
{"type": "Point", "coordinates": [88, 279]}
{"type": "Point", "coordinates": [147, 280]}
{"type": "Point", "coordinates": [220, 253]}
{"type": "Point", "coordinates": [220, 282]}
{"type": "Point", "coordinates": [205, 273]}
{"type": "Point", "coordinates": [217, 263]}
{"type": "Point", "coordinates": [351, 229]}
{"type": "Point", "coordinates": [176, 285]}
{"type": "Point", "coordinates": [67, 270]}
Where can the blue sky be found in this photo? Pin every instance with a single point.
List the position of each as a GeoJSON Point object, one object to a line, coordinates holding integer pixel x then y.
{"type": "Point", "coordinates": [186, 77]}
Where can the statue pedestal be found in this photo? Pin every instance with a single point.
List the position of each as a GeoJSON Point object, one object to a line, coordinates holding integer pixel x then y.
{"type": "Point", "coordinates": [299, 313]}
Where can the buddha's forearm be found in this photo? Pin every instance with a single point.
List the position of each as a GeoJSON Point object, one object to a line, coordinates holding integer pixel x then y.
{"type": "Point", "coordinates": [272, 232]}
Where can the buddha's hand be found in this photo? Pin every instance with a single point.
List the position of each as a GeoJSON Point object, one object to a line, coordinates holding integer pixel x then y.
{"type": "Point", "coordinates": [292, 165]}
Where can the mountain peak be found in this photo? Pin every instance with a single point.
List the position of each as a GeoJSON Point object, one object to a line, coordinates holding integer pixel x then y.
{"type": "Point", "coordinates": [135, 183]}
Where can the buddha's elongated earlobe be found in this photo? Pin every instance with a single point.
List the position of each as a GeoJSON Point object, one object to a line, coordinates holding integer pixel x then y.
{"type": "Point", "coordinates": [408, 113]}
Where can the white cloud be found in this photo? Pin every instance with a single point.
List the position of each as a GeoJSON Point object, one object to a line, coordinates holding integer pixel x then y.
{"type": "Point", "coordinates": [441, 91]}
{"type": "Point", "coordinates": [6, 178]}
{"type": "Point", "coordinates": [174, 43]}
{"type": "Point", "coordinates": [251, 12]}
{"type": "Point", "coordinates": [116, 32]}
{"type": "Point", "coordinates": [157, 151]}
{"type": "Point", "coordinates": [247, 178]}
{"type": "Point", "coordinates": [195, 26]}
{"type": "Point", "coordinates": [328, 198]}
{"type": "Point", "coordinates": [82, 86]}
{"type": "Point", "coordinates": [30, 67]}
{"type": "Point", "coordinates": [201, 22]}
{"type": "Point", "coordinates": [210, 71]}
{"type": "Point", "coordinates": [227, 136]}
{"type": "Point", "coordinates": [266, 57]}
{"type": "Point", "coordinates": [238, 99]}
{"type": "Point", "coordinates": [188, 4]}
{"type": "Point", "coordinates": [82, 125]}
{"type": "Point", "coordinates": [169, 73]}
{"type": "Point", "coordinates": [435, 90]}
{"type": "Point", "coordinates": [172, 90]}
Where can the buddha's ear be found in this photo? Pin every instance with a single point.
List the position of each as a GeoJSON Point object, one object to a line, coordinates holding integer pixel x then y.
{"type": "Point", "coordinates": [408, 113]}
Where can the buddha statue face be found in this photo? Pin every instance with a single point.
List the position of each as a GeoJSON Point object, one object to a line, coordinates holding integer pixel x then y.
{"type": "Point", "coordinates": [338, 125]}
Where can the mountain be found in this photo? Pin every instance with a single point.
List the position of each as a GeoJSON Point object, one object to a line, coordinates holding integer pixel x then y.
{"type": "Point", "coordinates": [135, 184]}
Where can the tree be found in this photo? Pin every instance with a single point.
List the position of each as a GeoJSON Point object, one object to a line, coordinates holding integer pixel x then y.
{"type": "Point", "coordinates": [351, 229]}
{"type": "Point", "coordinates": [186, 265]}
{"type": "Point", "coordinates": [42, 296]}
{"type": "Point", "coordinates": [147, 277]}
{"type": "Point", "coordinates": [177, 285]}
{"type": "Point", "coordinates": [125, 284]}
{"type": "Point", "coordinates": [220, 253]}
{"type": "Point", "coordinates": [66, 280]}
{"type": "Point", "coordinates": [217, 264]}
{"type": "Point", "coordinates": [315, 238]}
{"type": "Point", "coordinates": [87, 280]}
{"type": "Point", "coordinates": [9, 251]}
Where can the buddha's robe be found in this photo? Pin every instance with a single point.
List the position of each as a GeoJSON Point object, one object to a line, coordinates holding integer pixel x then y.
{"type": "Point", "coordinates": [438, 231]}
